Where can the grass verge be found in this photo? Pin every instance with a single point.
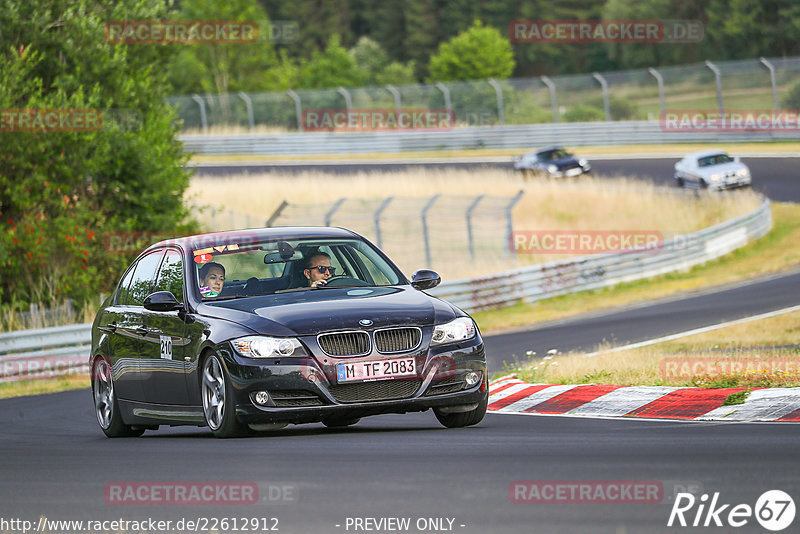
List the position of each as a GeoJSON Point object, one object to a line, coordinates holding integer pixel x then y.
{"type": "Point", "coordinates": [20, 388]}
{"type": "Point", "coordinates": [762, 353]}
{"type": "Point", "coordinates": [775, 252]}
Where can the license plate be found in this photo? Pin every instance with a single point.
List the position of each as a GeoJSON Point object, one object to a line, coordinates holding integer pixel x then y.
{"type": "Point", "coordinates": [574, 172]}
{"type": "Point", "coordinates": [375, 370]}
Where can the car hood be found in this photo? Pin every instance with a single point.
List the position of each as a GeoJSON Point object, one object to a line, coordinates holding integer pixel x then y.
{"type": "Point", "coordinates": [561, 163]}
{"type": "Point", "coordinates": [310, 312]}
{"type": "Point", "coordinates": [723, 169]}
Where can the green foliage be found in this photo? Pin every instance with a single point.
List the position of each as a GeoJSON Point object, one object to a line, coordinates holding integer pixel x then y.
{"type": "Point", "coordinates": [223, 68]}
{"type": "Point", "coordinates": [61, 191]}
{"type": "Point", "coordinates": [791, 100]}
{"type": "Point", "coordinates": [332, 67]}
{"type": "Point", "coordinates": [375, 67]}
{"type": "Point", "coordinates": [476, 54]}
{"type": "Point", "coordinates": [584, 113]}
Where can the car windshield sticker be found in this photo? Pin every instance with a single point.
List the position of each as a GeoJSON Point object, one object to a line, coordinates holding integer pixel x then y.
{"type": "Point", "coordinates": [203, 258]}
{"type": "Point", "coordinates": [222, 248]}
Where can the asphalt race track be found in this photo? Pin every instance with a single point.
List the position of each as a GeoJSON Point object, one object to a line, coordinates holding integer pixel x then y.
{"type": "Point", "coordinates": [777, 177]}
{"type": "Point", "coordinates": [56, 463]}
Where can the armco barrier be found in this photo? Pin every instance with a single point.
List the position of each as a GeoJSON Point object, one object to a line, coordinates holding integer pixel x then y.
{"type": "Point", "coordinates": [497, 137]}
{"type": "Point", "coordinates": [591, 272]}
{"type": "Point", "coordinates": [45, 352]}
{"type": "Point", "coordinates": [35, 353]}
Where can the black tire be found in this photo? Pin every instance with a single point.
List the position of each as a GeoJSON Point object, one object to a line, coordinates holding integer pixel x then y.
{"type": "Point", "coordinates": [218, 404]}
{"type": "Point", "coordinates": [680, 181]}
{"type": "Point", "coordinates": [458, 420]}
{"type": "Point", "coordinates": [703, 184]}
{"type": "Point", "coordinates": [339, 423]}
{"type": "Point", "coordinates": [106, 407]}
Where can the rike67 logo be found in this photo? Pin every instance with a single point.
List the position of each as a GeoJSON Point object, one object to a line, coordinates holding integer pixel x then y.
{"type": "Point", "coordinates": [774, 510]}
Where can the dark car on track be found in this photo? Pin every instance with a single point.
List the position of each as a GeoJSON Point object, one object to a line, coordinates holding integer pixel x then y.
{"type": "Point", "coordinates": [262, 349]}
{"type": "Point", "coordinates": [551, 162]}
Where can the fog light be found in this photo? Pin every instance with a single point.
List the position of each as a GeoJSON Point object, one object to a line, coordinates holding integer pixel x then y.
{"type": "Point", "coordinates": [472, 378]}
{"type": "Point", "coordinates": [261, 397]}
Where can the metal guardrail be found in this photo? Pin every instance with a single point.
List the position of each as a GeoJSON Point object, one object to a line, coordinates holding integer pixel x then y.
{"type": "Point", "coordinates": [547, 280]}
{"type": "Point", "coordinates": [45, 352]}
{"type": "Point", "coordinates": [48, 352]}
{"type": "Point", "coordinates": [494, 137]}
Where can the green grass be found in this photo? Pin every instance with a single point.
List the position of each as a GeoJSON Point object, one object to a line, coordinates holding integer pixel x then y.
{"type": "Point", "coordinates": [736, 398]}
{"type": "Point", "coordinates": [21, 388]}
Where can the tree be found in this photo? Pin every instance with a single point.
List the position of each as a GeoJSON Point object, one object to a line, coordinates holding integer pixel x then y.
{"type": "Point", "coordinates": [221, 67]}
{"type": "Point", "coordinates": [60, 191]}
{"type": "Point", "coordinates": [332, 67]}
{"type": "Point", "coordinates": [478, 53]}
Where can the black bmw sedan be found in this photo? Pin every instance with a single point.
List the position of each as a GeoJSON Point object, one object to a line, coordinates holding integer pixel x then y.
{"type": "Point", "coordinates": [252, 330]}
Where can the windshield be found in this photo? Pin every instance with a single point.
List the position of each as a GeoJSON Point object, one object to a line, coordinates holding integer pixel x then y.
{"type": "Point", "coordinates": [716, 159]}
{"type": "Point", "coordinates": [235, 270]}
{"type": "Point", "coordinates": [552, 155]}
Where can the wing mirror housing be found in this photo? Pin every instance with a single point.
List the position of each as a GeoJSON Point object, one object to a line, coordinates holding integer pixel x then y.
{"type": "Point", "coordinates": [162, 301]}
{"type": "Point", "coordinates": [425, 279]}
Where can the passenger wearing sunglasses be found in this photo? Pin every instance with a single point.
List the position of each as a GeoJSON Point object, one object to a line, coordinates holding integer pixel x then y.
{"type": "Point", "coordinates": [318, 269]}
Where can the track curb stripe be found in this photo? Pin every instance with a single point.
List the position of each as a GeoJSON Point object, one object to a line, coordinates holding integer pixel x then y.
{"type": "Point", "coordinates": [511, 395]}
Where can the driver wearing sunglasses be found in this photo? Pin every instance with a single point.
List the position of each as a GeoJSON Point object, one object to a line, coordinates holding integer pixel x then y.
{"type": "Point", "coordinates": [318, 269]}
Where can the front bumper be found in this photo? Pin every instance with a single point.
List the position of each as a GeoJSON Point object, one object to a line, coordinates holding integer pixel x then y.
{"type": "Point", "coordinates": [304, 390]}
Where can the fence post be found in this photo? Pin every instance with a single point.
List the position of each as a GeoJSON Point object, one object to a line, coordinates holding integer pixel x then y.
{"type": "Point", "coordinates": [446, 93]}
{"type": "Point", "coordinates": [249, 104]}
{"type": "Point", "coordinates": [276, 214]}
{"type": "Point", "coordinates": [348, 102]}
{"type": "Point", "coordinates": [398, 103]}
{"type": "Point", "coordinates": [334, 209]}
{"type": "Point", "coordinates": [298, 107]}
{"type": "Point", "coordinates": [424, 215]}
{"type": "Point", "coordinates": [469, 224]}
{"type": "Point", "coordinates": [660, 81]}
{"type": "Point", "coordinates": [604, 87]}
{"type": "Point", "coordinates": [771, 68]}
{"type": "Point", "coordinates": [553, 98]}
{"type": "Point", "coordinates": [203, 119]}
{"type": "Point", "coordinates": [501, 114]}
{"type": "Point", "coordinates": [718, 78]}
{"type": "Point", "coordinates": [509, 220]}
{"type": "Point", "coordinates": [377, 218]}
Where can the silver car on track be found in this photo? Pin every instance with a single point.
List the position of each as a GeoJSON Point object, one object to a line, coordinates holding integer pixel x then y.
{"type": "Point", "coordinates": [711, 169]}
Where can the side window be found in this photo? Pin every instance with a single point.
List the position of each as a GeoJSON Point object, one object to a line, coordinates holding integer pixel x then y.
{"type": "Point", "coordinates": [142, 282]}
{"type": "Point", "coordinates": [122, 296]}
{"type": "Point", "coordinates": [170, 277]}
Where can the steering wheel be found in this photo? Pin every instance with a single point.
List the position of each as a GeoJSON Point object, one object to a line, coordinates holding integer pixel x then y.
{"type": "Point", "coordinates": [342, 280]}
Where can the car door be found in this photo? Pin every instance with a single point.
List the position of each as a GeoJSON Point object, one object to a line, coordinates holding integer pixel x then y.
{"type": "Point", "coordinates": [129, 331]}
{"type": "Point", "coordinates": [163, 367]}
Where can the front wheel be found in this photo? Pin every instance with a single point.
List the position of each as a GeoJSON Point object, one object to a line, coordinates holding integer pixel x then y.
{"type": "Point", "coordinates": [105, 403]}
{"type": "Point", "coordinates": [458, 420]}
{"type": "Point", "coordinates": [218, 403]}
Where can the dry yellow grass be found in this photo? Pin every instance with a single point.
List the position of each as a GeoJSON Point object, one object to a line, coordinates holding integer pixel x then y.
{"type": "Point", "coordinates": [758, 353]}
{"type": "Point", "coordinates": [584, 204]}
{"type": "Point", "coordinates": [37, 387]}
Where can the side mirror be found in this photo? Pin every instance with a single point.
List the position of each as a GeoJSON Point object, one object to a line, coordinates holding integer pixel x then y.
{"type": "Point", "coordinates": [425, 279]}
{"type": "Point", "coordinates": [162, 301]}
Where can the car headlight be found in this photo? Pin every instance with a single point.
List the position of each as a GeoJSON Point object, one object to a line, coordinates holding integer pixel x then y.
{"type": "Point", "coordinates": [715, 177]}
{"type": "Point", "coordinates": [456, 330]}
{"type": "Point", "coordinates": [266, 347]}
{"type": "Point", "coordinates": [552, 169]}
{"type": "Point", "coordinates": [742, 172]}
{"type": "Point", "coordinates": [582, 162]}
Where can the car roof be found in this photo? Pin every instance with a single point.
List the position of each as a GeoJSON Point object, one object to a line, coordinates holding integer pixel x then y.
{"type": "Point", "coordinates": [707, 152]}
{"type": "Point", "coordinates": [258, 234]}
{"type": "Point", "coordinates": [550, 148]}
